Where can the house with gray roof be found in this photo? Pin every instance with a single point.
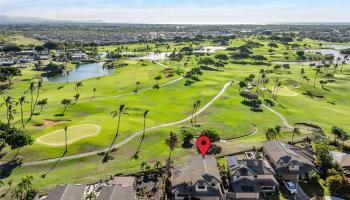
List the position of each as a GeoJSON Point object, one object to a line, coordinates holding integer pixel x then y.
{"type": "Point", "coordinates": [289, 162]}
{"type": "Point", "coordinates": [250, 178]}
{"type": "Point", "coordinates": [345, 163]}
{"type": "Point", "coordinates": [122, 188]}
{"type": "Point", "coordinates": [67, 192]}
{"type": "Point", "coordinates": [199, 178]}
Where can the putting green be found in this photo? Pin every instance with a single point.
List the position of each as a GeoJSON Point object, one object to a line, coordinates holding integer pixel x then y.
{"type": "Point", "coordinates": [284, 91]}
{"type": "Point", "coordinates": [74, 133]}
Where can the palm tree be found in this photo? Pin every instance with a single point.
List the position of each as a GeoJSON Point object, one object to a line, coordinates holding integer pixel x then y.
{"type": "Point", "coordinates": [137, 86]}
{"type": "Point", "coordinates": [144, 122]}
{"type": "Point", "coordinates": [195, 106]}
{"type": "Point", "coordinates": [157, 78]}
{"type": "Point", "coordinates": [198, 104]}
{"type": "Point", "coordinates": [343, 62]}
{"type": "Point", "coordinates": [118, 113]}
{"type": "Point", "coordinates": [76, 97]}
{"type": "Point", "coordinates": [31, 89]}
{"type": "Point", "coordinates": [273, 133]}
{"type": "Point", "coordinates": [21, 101]}
{"type": "Point", "coordinates": [279, 84]}
{"type": "Point", "coordinates": [295, 131]}
{"type": "Point", "coordinates": [65, 138]}
{"type": "Point", "coordinates": [42, 103]}
{"type": "Point", "coordinates": [261, 72]}
{"type": "Point", "coordinates": [77, 86]}
{"type": "Point", "coordinates": [302, 72]}
{"type": "Point", "coordinates": [172, 142]}
{"type": "Point", "coordinates": [9, 109]}
{"type": "Point", "coordinates": [157, 165]}
{"type": "Point", "coordinates": [65, 103]}
{"type": "Point", "coordinates": [39, 85]}
{"type": "Point", "coordinates": [317, 72]}
{"type": "Point", "coordinates": [94, 92]}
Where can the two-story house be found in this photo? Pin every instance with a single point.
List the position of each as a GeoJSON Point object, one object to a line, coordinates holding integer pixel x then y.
{"type": "Point", "coordinates": [289, 162]}
{"type": "Point", "coordinates": [198, 179]}
{"type": "Point", "coordinates": [250, 178]}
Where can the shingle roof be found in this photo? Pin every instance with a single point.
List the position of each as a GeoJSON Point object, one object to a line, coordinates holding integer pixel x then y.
{"type": "Point", "coordinates": [194, 170]}
{"type": "Point", "coordinates": [67, 192]}
{"type": "Point", "coordinates": [285, 153]}
{"type": "Point", "coordinates": [250, 172]}
{"type": "Point", "coordinates": [124, 181]}
{"type": "Point", "coordinates": [117, 192]}
{"type": "Point", "coordinates": [345, 161]}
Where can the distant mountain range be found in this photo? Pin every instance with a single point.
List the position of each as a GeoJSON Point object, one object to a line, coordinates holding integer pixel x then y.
{"type": "Point", "coordinates": [4, 19]}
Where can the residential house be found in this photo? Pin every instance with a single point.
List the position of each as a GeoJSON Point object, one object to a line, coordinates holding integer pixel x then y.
{"type": "Point", "coordinates": [345, 163]}
{"type": "Point", "coordinates": [67, 192]}
{"type": "Point", "coordinates": [343, 159]}
{"type": "Point", "coordinates": [250, 178]}
{"type": "Point", "coordinates": [198, 179]}
{"type": "Point", "coordinates": [122, 188]}
{"type": "Point", "coordinates": [289, 162]}
{"type": "Point", "coordinates": [26, 52]}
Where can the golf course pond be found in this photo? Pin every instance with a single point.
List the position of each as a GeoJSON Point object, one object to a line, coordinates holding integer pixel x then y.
{"type": "Point", "coordinates": [335, 52]}
{"type": "Point", "coordinates": [81, 72]}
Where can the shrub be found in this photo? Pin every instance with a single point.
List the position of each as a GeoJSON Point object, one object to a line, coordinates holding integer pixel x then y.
{"type": "Point", "coordinates": [313, 177]}
{"type": "Point", "coordinates": [334, 183]}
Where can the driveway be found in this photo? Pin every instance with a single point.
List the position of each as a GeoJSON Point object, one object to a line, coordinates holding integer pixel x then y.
{"type": "Point", "coordinates": [301, 195]}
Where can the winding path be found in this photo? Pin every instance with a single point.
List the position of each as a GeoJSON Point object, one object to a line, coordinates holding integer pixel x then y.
{"type": "Point", "coordinates": [135, 134]}
{"type": "Point", "coordinates": [283, 118]}
{"type": "Point", "coordinates": [132, 136]}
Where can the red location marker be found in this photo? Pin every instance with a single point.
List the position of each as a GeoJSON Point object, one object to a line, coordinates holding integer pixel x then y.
{"type": "Point", "coordinates": [203, 144]}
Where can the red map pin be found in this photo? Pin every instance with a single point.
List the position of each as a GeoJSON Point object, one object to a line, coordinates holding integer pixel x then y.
{"type": "Point", "coordinates": [203, 144]}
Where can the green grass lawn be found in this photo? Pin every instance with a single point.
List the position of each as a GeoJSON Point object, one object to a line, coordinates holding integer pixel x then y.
{"type": "Point", "coordinates": [21, 40]}
{"type": "Point", "coordinates": [172, 102]}
{"type": "Point", "coordinates": [74, 133]}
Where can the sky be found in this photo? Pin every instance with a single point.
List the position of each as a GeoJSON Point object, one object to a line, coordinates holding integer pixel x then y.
{"type": "Point", "coordinates": [182, 11]}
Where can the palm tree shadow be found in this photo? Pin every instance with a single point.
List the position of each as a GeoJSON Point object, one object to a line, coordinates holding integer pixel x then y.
{"type": "Point", "coordinates": [136, 154]}
{"type": "Point", "coordinates": [7, 168]}
{"type": "Point", "coordinates": [107, 156]}
{"type": "Point", "coordinates": [53, 166]}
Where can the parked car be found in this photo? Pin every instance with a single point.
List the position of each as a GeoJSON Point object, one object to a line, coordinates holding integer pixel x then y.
{"type": "Point", "coordinates": [290, 186]}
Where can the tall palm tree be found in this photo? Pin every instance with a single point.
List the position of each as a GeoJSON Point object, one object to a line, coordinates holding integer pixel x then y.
{"type": "Point", "coordinates": [39, 85]}
{"type": "Point", "coordinates": [94, 92]}
{"type": "Point", "coordinates": [42, 103]}
{"type": "Point", "coordinates": [317, 72]}
{"type": "Point", "coordinates": [172, 142]}
{"type": "Point", "coordinates": [21, 101]}
{"type": "Point", "coordinates": [118, 113]}
{"type": "Point", "coordinates": [302, 72]}
{"type": "Point", "coordinates": [295, 131]}
{"type": "Point", "coordinates": [144, 121]}
{"type": "Point", "coordinates": [198, 104]}
{"type": "Point", "coordinates": [65, 138]}
{"type": "Point", "coordinates": [9, 109]}
{"type": "Point", "coordinates": [65, 103]}
{"type": "Point", "coordinates": [157, 165]}
{"type": "Point", "coordinates": [31, 90]}
{"type": "Point", "coordinates": [137, 86]}
{"type": "Point", "coordinates": [78, 85]}
{"type": "Point", "coordinates": [261, 72]}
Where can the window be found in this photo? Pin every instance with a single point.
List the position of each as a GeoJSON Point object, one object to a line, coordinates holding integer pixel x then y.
{"type": "Point", "coordinates": [201, 187]}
